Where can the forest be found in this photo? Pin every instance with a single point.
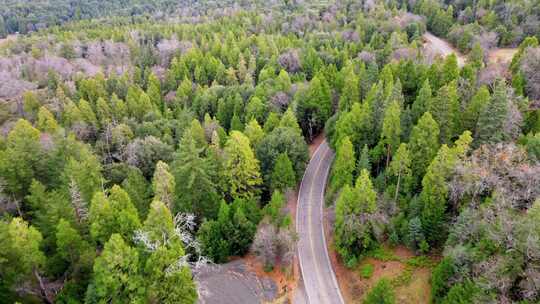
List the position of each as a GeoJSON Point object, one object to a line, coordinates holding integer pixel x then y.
{"type": "Point", "coordinates": [143, 140]}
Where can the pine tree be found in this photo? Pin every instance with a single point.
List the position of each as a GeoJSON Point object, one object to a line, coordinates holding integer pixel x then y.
{"type": "Point", "coordinates": [435, 189]}
{"type": "Point", "coordinates": [400, 167]}
{"type": "Point", "coordinates": [350, 92]}
{"type": "Point", "coordinates": [475, 107]}
{"type": "Point", "coordinates": [46, 121]}
{"type": "Point", "coordinates": [241, 167]}
{"type": "Point", "coordinates": [116, 277]}
{"type": "Point", "coordinates": [445, 109]}
{"type": "Point", "coordinates": [87, 113]}
{"type": "Point", "coordinates": [254, 132]}
{"type": "Point", "coordinates": [283, 176]}
{"type": "Point", "coordinates": [352, 234]}
{"type": "Point", "coordinates": [364, 162]}
{"type": "Point", "coordinates": [21, 258]}
{"type": "Point", "coordinates": [490, 126]}
{"type": "Point", "coordinates": [288, 120]}
{"type": "Point", "coordinates": [391, 130]}
{"type": "Point", "coordinates": [423, 145]}
{"type": "Point", "coordinates": [422, 102]}
{"type": "Point", "coordinates": [192, 172]}
{"type": "Point", "coordinates": [113, 214]}
{"type": "Point", "coordinates": [163, 184]}
{"type": "Point", "coordinates": [343, 167]}
{"type": "Point", "coordinates": [21, 160]}
{"type": "Point", "coordinates": [450, 69]}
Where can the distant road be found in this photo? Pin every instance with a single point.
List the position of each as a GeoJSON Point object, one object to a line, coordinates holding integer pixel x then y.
{"type": "Point", "coordinates": [319, 278]}
{"type": "Point", "coordinates": [442, 47]}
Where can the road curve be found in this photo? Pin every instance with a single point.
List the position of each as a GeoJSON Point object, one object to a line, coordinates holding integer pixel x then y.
{"type": "Point", "coordinates": [442, 47]}
{"type": "Point", "coordinates": [319, 278]}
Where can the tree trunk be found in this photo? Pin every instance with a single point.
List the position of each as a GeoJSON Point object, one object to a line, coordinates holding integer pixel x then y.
{"type": "Point", "coordinates": [44, 294]}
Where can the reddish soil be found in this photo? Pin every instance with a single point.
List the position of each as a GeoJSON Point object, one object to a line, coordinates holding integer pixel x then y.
{"type": "Point", "coordinates": [354, 287]}
{"type": "Point", "coordinates": [315, 144]}
{"type": "Point", "coordinates": [286, 278]}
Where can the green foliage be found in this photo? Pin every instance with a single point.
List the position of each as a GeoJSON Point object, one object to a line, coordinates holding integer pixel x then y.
{"type": "Point", "coordinates": [112, 214]}
{"type": "Point", "coordinates": [423, 144]}
{"type": "Point", "coordinates": [344, 165]}
{"type": "Point", "coordinates": [116, 275]}
{"type": "Point", "coordinates": [366, 270]}
{"type": "Point", "coordinates": [490, 126]}
{"type": "Point", "coordinates": [353, 235]}
{"type": "Point", "coordinates": [381, 293]}
{"type": "Point", "coordinates": [283, 175]}
{"type": "Point", "coordinates": [241, 167]}
{"type": "Point", "coordinates": [440, 278]}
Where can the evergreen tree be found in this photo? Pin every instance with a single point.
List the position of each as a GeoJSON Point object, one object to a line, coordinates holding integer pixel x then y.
{"type": "Point", "coordinates": [475, 107]}
{"type": "Point", "coordinates": [116, 277]}
{"type": "Point", "coordinates": [435, 189]}
{"type": "Point", "coordinates": [422, 102]}
{"type": "Point", "coordinates": [20, 258]}
{"type": "Point", "coordinates": [113, 214]}
{"type": "Point", "coordinates": [400, 167]}
{"type": "Point", "coordinates": [283, 175]}
{"type": "Point", "coordinates": [254, 132]}
{"type": "Point", "coordinates": [241, 167]}
{"type": "Point", "coordinates": [192, 172]}
{"type": "Point", "coordinates": [46, 121]}
{"type": "Point", "coordinates": [163, 184]}
{"type": "Point", "coordinates": [350, 92]}
{"type": "Point", "coordinates": [363, 161]}
{"type": "Point", "coordinates": [391, 130]}
{"type": "Point", "coordinates": [445, 109]}
{"type": "Point", "coordinates": [490, 126]}
{"type": "Point", "coordinates": [352, 233]}
{"type": "Point", "coordinates": [21, 161]}
{"type": "Point", "coordinates": [423, 145]}
{"type": "Point", "coordinates": [314, 109]}
{"type": "Point", "coordinates": [344, 165]}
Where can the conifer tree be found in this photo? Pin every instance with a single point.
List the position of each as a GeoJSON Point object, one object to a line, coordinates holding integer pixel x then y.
{"type": "Point", "coordinates": [391, 130]}
{"type": "Point", "coordinates": [490, 126]}
{"type": "Point", "coordinates": [364, 162]}
{"type": "Point", "coordinates": [192, 172]}
{"type": "Point", "coordinates": [423, 145]}
{"type": "Point", "coordinates": [350, 92]}
{"type": "Point", "coordinates": [241, 167]}
{"type": "Point", "coordinates": [475, 107]}
{"type": "Point", "coordinates": [283, 175]}
{"type": "Point", "coordinates": [400, 167]}
{"type": "Point", "coordinates": [46, 121]}
{"type": "Point", "coordinates": [343, 167]}
{"type": "Point", "coordinates": [163, 184]}
{"type": "Point", "coordinates": [116, 274]}
{"type": "Point", "coordinates": [254, 132]}
{"type": "Point", "coordinates": [422, 102]}
{"type": "Point", "coordinates": [445, 109]}
{"type": "Point", "coordinates": [113, 214]}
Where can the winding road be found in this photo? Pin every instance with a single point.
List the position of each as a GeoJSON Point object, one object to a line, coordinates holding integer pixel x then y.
{"type": "Point", "coordinates": [319, 278]}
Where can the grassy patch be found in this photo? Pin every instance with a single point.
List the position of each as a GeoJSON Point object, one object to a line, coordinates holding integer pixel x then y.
{"type": "Point", "coordinates": [366, 270]}
{"type": "Point", "coordinates": [383, 254]}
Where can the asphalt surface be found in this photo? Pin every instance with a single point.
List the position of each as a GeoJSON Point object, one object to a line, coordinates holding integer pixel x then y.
{"type": "Point", "coordinates": [318, 276]}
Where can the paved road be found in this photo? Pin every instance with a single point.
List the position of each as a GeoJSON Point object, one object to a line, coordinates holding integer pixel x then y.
{"type": "Point", "coordinates": [319, 278]}
{"type": "Point", "coordinates": [442, 47]}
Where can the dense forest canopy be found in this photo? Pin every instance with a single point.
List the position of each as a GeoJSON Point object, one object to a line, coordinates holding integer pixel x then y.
{"type": "Point", "coordinates": [136, 150]}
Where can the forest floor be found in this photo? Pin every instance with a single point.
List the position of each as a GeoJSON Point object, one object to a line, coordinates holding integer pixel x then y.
{"type": "Point", "coordinates": [502, 55]}
{"type": "Point", "coordinates": [287, 281]}
{"type": "Point", "coordinates": [409, 274]}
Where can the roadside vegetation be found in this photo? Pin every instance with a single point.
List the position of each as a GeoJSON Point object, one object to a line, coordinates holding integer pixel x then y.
{"type": "Point", "coordinates": [141, 147]}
